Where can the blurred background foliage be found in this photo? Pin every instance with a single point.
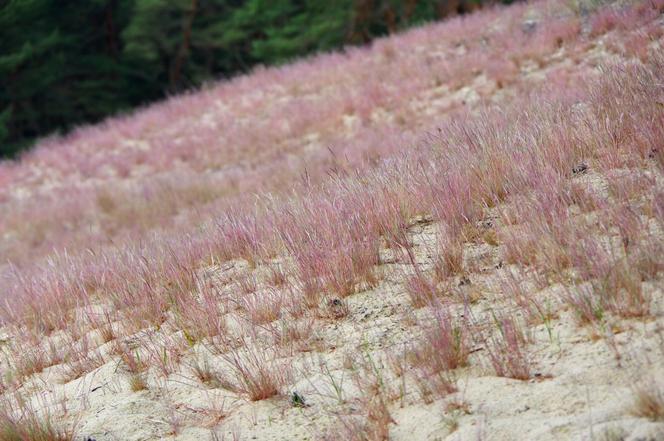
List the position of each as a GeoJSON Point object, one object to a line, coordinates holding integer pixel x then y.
{"type": "Point", "coordinates": [67, 62]}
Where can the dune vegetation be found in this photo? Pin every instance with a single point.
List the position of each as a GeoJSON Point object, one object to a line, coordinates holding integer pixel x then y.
{"type": "Point", "coordinates": [456, 232]}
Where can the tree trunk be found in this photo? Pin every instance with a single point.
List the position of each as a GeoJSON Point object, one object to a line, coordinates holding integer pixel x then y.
{"type": "Point", "coordinates": [109, 27]}
{"type": "Point", "coordinates": [175, 73]}
{"type": "Point", "coordinates": [409, 9]}
{"type": "Point", "coordinates": [361, 21]}
{"type": "Point", "coordinates": [390, 18]}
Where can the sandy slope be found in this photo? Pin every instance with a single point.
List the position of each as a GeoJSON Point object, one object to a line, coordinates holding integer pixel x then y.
{"type": "Point", "coordinates": [582, 385]}
{"type": "Point", "coordinates": [349, 358]}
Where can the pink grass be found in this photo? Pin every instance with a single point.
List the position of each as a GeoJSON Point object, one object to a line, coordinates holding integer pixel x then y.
{"type": "Point", "coordinates": [257, 373]}
{"type": "Point", "coordinates": [506, 350]}
{"type": "Point", "coordinates": [321, 164]}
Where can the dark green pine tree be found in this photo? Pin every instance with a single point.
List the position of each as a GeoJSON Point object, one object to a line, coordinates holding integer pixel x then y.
{"type": "Point", "coordinates": [59, 65]}
{"type": "Point", "coordinates": [293, 27]}
{"type": "Point", "coordinates": [181, 43]}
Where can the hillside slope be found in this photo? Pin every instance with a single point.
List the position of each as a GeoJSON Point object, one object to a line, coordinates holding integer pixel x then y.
{"type": "Point", "coordinates": [456, 233]}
